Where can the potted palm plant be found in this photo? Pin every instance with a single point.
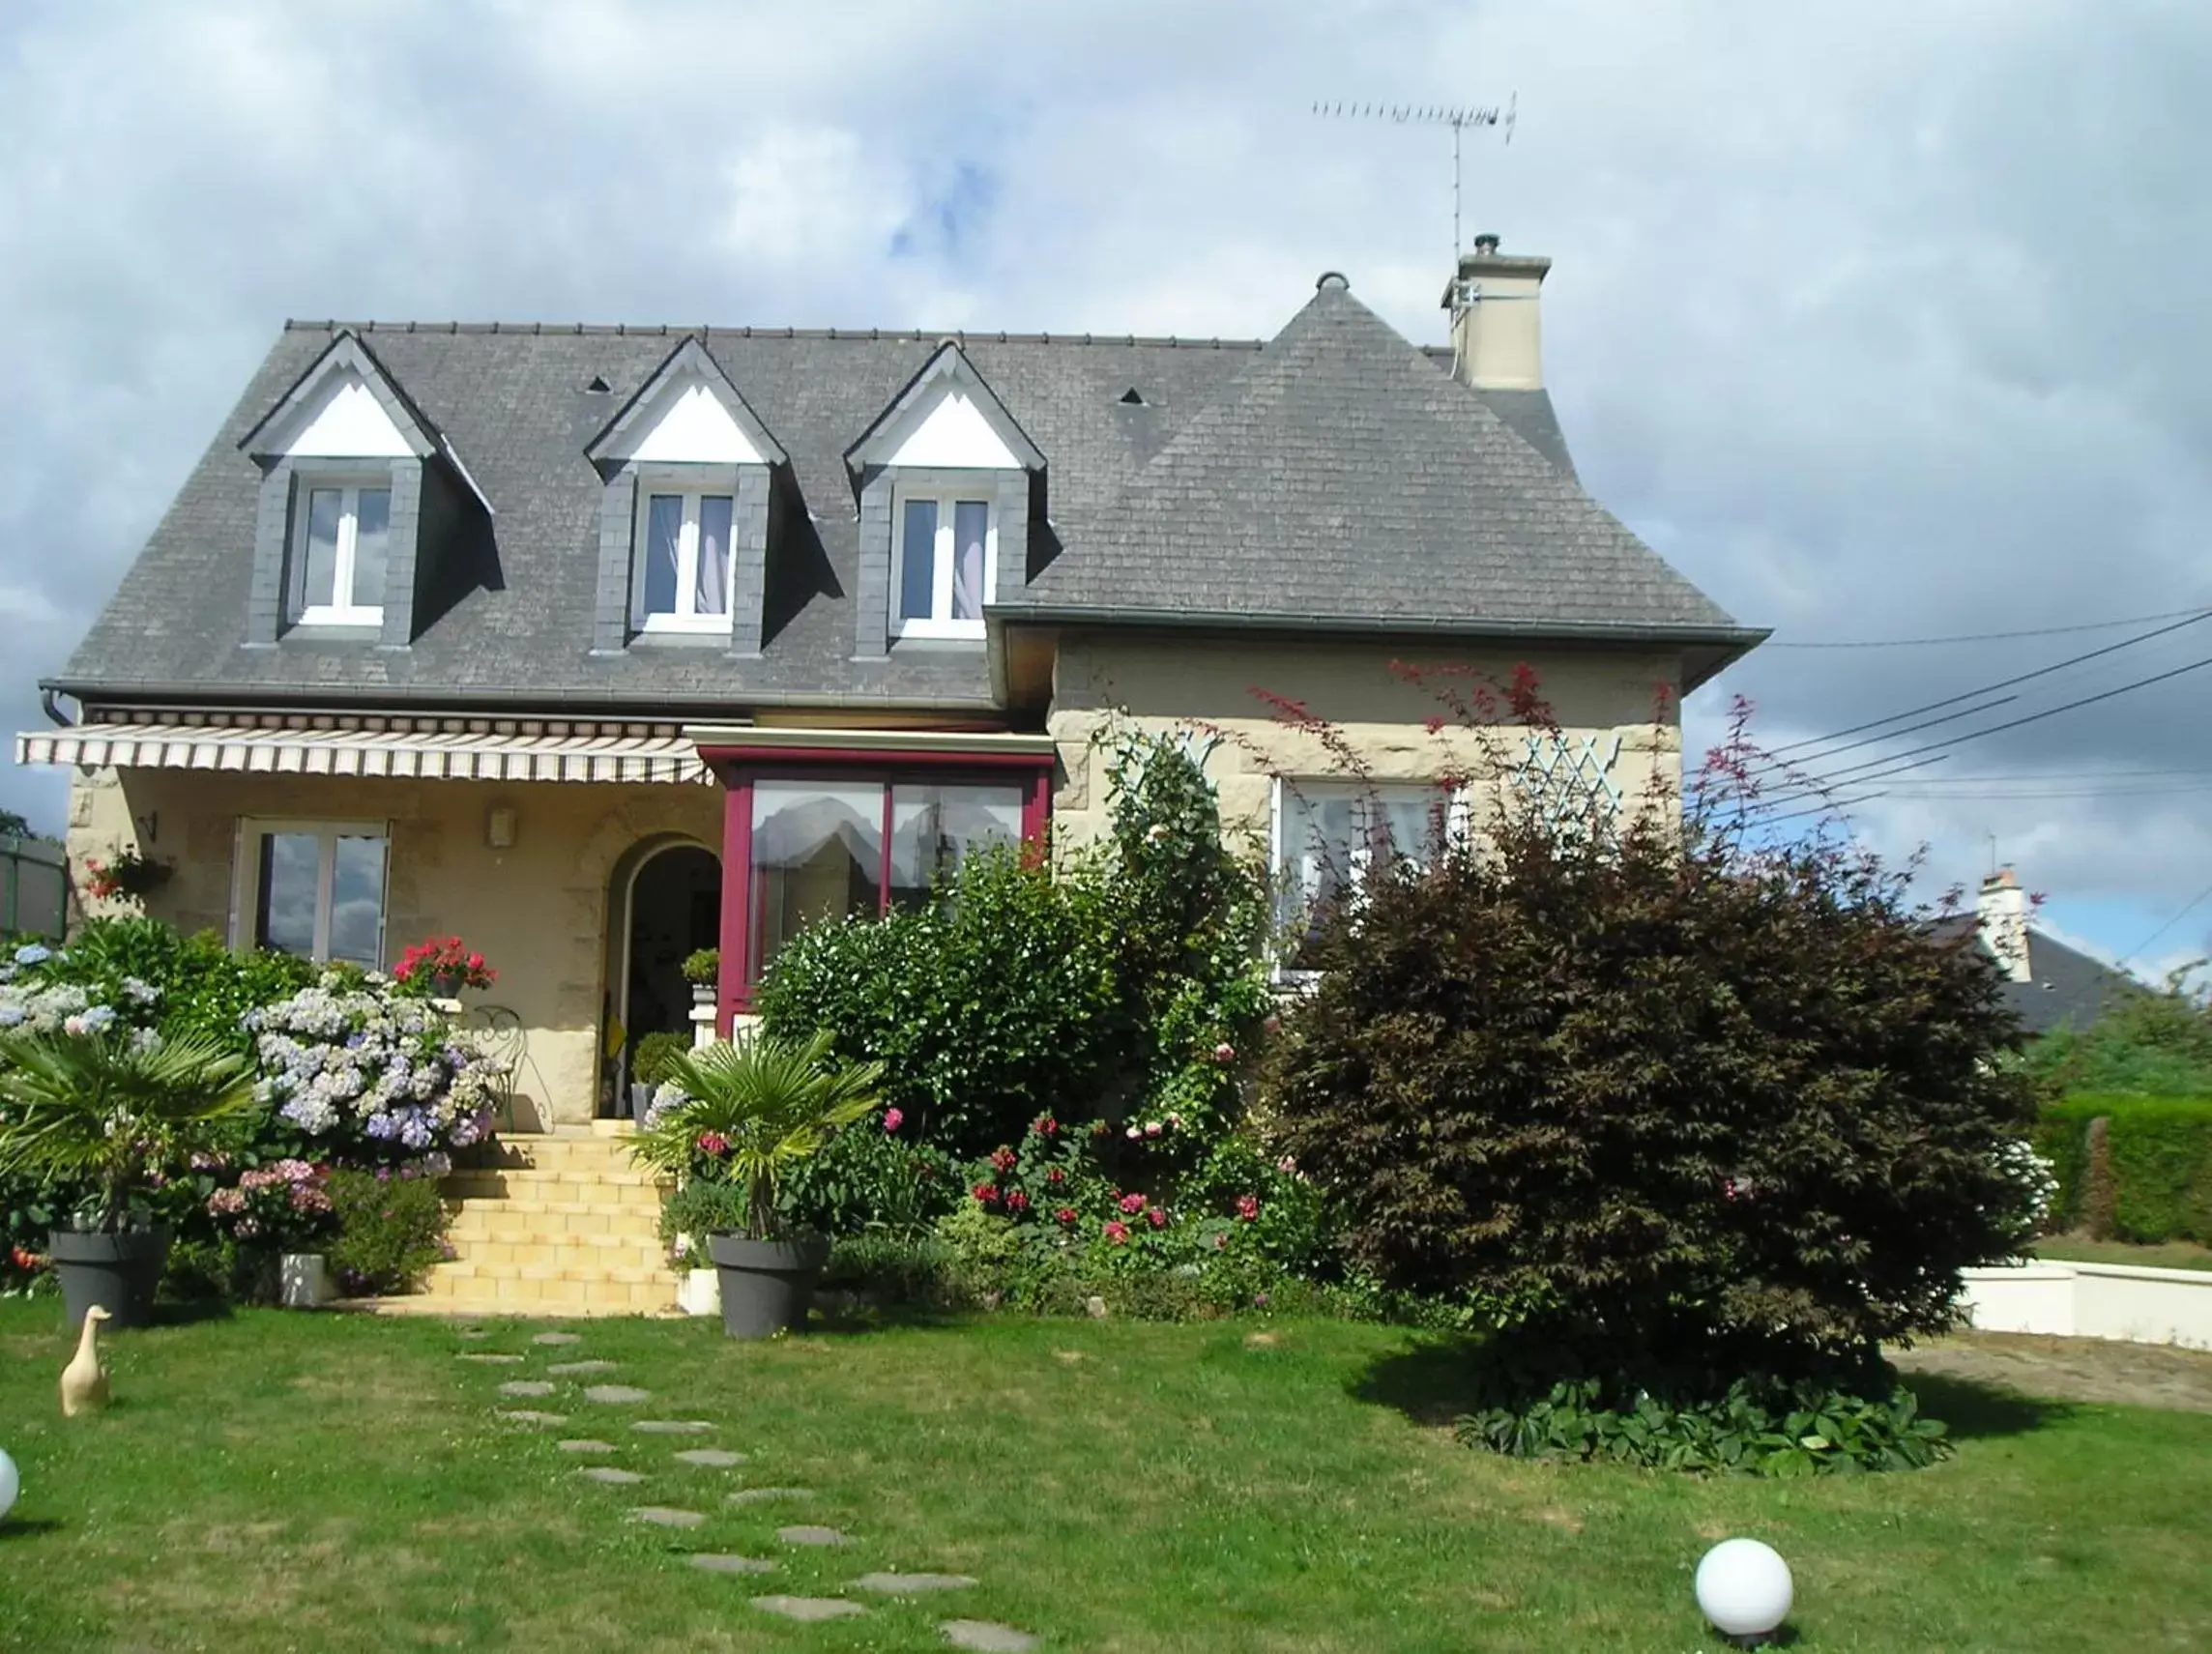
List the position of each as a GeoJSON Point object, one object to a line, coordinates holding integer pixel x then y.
{"type": "Point", "coordinates": [102, 1110]}
{"type": "Point", "coordinates": [748, 1113]}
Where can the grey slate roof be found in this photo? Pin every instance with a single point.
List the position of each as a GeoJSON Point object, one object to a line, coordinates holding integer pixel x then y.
{"type": "Point", "coordinates": [1336, 471]}
{"type": "Point", "coordinates": [2065, 985]}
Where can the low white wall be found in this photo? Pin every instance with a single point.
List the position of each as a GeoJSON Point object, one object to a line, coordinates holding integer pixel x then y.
{"type": "Point", "coordinates": [2093, 1300]}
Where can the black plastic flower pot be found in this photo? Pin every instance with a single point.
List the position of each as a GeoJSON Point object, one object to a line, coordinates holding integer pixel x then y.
{"type": "Point", "coordinates": [119, 1271]}
{"type": "Point", "coordinates": [768, 1285]}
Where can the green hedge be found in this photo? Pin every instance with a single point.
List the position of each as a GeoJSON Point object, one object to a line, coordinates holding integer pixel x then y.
{"type": "Point", "coordinates": [2161, 1150]}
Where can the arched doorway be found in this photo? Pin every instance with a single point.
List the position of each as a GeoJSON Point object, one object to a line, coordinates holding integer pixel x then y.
{"type": "Point", "coordinates": [664, 901]}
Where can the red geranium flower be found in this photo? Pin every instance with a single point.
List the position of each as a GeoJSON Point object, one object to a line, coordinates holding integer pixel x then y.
{"type": "Point", "coordinates": [987, 1193]}
{"type": "Point", "coordinates": [1002, 1159]}
{"type": "Point", "coordinates": [1054, 1175]}
{"type": "Point", "coordinates": [1156, 1218]}
{"type": "Point", "coordinates": [1118, 1234]}
{"type": "Point", "coordinates": [714, 1143]}
{"type": "Point", "coordinates": [1248, 1206]}
{"type": "Point", "coordinates": [1132, 1203]}
{"type": "Point", "coordinates": [1017, 1202]}
{"type": "Point", "coordinates": [1063, 1215]}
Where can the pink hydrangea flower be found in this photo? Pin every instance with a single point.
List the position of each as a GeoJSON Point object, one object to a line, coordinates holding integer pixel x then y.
{"type": "Point", "coordinates": [1117, 1233]}
{"type": "Point", "coordinates": [1225, 1053]}
{"type": "Point", "coordinates": [1132, 1203]}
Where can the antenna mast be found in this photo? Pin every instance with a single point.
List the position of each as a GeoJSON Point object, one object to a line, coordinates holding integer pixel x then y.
{"type": "Point", "coordinates": [1458, 117]}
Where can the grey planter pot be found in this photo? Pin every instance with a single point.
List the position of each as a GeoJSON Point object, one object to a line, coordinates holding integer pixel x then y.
{"type": "Point", "coordinates": [640, 1100]}
{"type": "Point", "coordinates": [768, 1285]}
{"type": "Point", "coordinates": [119, 1272]}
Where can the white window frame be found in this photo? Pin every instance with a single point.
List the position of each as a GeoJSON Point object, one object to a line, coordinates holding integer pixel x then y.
{"type": "Point", "coordinates": [946, 493]}
{"type": "Point", "coordinates": [346, 610]}
{"type": "Point", "coordinates": [246, 876]}
{"type": "Point", "coordinates": [1361, 854]}
{"type": "Point", "coordinates": [691, 490]}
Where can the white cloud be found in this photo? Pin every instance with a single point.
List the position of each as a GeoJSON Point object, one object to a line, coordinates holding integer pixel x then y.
{"type": "Point", "coordinates": [1880, 319]}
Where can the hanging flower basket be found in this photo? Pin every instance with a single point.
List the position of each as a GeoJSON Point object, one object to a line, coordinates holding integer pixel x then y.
{"type": "Point", "coordinates": [128, 873]}
{"type": "Point", "coordinates": [440, 969]}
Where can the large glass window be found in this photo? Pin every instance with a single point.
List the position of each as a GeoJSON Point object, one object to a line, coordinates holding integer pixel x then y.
{"type": "Point", "coordinates": [1329, 836]}
{"type": "Point", "coordinates": [338, 555]}
{"type": "Point", "coordinates": [935, 828]}
{"type": "Point", "coordinates": [943, 557]}
{"type": "Point", "coordinates": [683, 580]}
{"type": "Point", "coordinates": [315, 888]}
{"type": "Point", "coordinates": [839, 849]}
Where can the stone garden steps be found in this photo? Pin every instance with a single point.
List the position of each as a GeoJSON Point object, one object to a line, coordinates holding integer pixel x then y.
{"type": "Point", "coordinates": [559, 1225]}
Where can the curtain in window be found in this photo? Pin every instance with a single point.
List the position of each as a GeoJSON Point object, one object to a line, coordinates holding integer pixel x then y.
{"type": "Point", "coordinates": [817, 853]}
{"type": "Point", "coordinates": [371, 533]}
{"type": "Point", "coordinates": [663, 533]}
{"type": "Point", "coordinates": [917, 560]}
{"type": "Point", "coordinates": [711, 586]}
{"type": "Point", "coordinates": [971, 522]}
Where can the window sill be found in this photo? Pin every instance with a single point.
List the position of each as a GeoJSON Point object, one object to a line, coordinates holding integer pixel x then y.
{"type": "Point", "coordinates": [922, 643]}
{"type": "Point", "coordinates": [334, 632]}
{"type": "Point", "coordinates": [688, 637]}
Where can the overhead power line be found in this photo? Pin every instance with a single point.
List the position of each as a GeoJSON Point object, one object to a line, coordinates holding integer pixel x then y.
{"type": "Point", "coordinates": [1981, 637]}
{"type": "Point", "coordinates": [1850, 776]}
{"type": "Point", "coordinates": [2189, 907]}
{"type": "Point", "coordinates": [2195, 617]}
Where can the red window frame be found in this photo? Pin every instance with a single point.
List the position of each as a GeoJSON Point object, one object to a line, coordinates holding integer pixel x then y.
{"type": "Point", "coordinates": [739, 769]}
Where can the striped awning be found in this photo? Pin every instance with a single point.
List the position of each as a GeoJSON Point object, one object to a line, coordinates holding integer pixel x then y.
{"type": "Point", "coordinates": [456, 749]}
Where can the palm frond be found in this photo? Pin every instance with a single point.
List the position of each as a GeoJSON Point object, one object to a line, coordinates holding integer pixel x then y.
{"type": "Point", "coordinates": [774, 1102]}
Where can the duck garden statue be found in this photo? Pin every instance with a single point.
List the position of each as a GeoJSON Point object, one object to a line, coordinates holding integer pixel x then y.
{"type": "Point", "coordinates": [84, 1385]}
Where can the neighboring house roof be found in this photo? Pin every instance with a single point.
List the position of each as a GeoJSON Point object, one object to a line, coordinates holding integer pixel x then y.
{"type": "Point", "coordinates": [2065, 985]}
{"type": "Point", "coordinates": [1336, 477]}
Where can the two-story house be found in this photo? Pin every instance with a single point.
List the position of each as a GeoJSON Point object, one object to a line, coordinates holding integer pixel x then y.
{"type": "Point", "coordinates": [594, 645]}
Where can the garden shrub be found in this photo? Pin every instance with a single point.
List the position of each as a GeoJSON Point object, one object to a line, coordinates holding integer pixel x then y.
{"type": "Point", "coordinates": [2159, 1153]}
{"type": "Point", "coordinates": [184, 986]}
{"type": "Point", "coordinates": [2145, 1043]}
{"type": "Point", "coordinates": [871, 1176]}
{"type": "Point", "coordinates": [985, 1005]}
{"type": "Point", "coordinates": [1703, 1421]}
{"type": "Point", "coordinates": [1690, 1100]}
{"type": "Point", "coordinates": [655, 1052]}
{"type": "Point", "coordinates": [391, 1228]}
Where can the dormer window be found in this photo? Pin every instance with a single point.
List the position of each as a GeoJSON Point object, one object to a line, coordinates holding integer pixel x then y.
{"type": "Point", "coordinates": [943, 563]}
{"type": "Point", "coordinates": [339, 546]}
{"type": "Point", "coordinates": [682, 571]}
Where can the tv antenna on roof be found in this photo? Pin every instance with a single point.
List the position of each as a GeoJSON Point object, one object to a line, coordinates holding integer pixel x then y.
{"type": "Point", "coordinates": [1458, 117]}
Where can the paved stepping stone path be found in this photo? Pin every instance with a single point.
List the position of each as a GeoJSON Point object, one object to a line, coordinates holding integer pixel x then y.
{"type": "Point", "coordinates": [711, 1457]}
{"type": "Point", "coordinates": [986, 1636]}
{"type": "Point", "coordinates": [663, 1516]}
{"type": "Point", "coordinates": [809, 1607]}
{"type": "Point", "coordinates": [721, 1564]}
{"type": "Point", "coordinates": [911, 1585]}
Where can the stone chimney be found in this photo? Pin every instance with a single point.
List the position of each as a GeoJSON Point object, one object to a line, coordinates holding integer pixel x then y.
{"type": "Point", "coordinates": [1497, 342]}
{"type": "Point", "coordinates": [2002, 912]}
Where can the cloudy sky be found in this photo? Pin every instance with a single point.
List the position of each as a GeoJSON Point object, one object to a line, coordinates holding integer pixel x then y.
{"type": "Point", "coordinates": [1882, 320]}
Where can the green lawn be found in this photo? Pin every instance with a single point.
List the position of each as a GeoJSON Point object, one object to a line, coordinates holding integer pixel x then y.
{"type": "Point", "coordinates": [327, 1481]}
{"type": "Point", "coordinates": [2079, 1249]}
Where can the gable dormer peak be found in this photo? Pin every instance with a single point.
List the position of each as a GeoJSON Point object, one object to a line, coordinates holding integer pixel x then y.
{"type": "Point", "coordinates": [947, 417]}
{"type": "Point", "coordinates": [688, 412]}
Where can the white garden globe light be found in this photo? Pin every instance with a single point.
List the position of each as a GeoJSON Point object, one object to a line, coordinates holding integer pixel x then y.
{"type": "Point", "coordinates": [1744, 1587]}
{"type": "Point", "coordinates": [11, 1484]}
